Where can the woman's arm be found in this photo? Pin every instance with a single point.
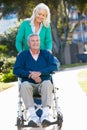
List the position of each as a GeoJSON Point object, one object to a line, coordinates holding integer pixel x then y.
{"type": "Point", "coordinates": [19, 37]}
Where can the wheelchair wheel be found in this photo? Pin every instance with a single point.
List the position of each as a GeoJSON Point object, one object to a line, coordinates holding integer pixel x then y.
{"type": "Point", "coordinates": [20, 123]}
{"type": "Point", "coordinates": [60, 120]}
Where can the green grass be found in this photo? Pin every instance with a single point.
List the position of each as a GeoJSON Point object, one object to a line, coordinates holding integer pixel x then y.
{"type": "Point", "coordinates": [73, 65]}
{"type": "Point", "coordinates": [82, 79]}
{"type": "Point", "coordinates": [82, 76]}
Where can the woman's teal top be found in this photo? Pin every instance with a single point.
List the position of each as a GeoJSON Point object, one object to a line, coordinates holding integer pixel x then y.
{"type": "Point", "coordinates": [25, 30]}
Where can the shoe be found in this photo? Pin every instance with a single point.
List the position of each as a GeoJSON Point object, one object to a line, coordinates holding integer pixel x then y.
{"type": "Point", "coordinates": [45, 120]}
{"type": "Point", "coordinates": [31, 123]}
{"type": "Point", "coordinates": [45, 123]}
{"type": "Point", "coordinates": [44, 117]}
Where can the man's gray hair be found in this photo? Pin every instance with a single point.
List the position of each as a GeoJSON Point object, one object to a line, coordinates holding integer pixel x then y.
{"type": "Point", "coordinates": [31, 35]}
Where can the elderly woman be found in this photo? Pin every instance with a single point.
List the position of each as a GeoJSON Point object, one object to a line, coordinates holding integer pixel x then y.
{"type": "Point", "coordinates": [38, 23]}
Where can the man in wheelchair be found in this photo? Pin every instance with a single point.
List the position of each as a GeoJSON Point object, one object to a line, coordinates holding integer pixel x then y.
{"type": "Point", "coordinates": [34, 67]}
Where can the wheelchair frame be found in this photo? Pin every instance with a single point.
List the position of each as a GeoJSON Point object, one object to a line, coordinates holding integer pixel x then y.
{"type": "Point", "coordinates": [21, 122]}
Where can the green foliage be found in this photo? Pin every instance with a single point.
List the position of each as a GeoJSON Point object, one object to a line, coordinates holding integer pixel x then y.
{"type": "Point", "coordinates": [3, 48]}
{"type": "Point", "coordinates": [8, 9]}
{"type": "Point", "coordinates": [7, 55]}
{"type": "Point", "coordinates": [7, 42]}
{"type": "Point", "coordinates": [6, 69]}
{"type": "Point", "coordinates": [8, 77]}
{"type": "Point", "coordinates": [7, 63]}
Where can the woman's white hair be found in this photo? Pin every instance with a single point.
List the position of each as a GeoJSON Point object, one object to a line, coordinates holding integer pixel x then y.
{"type": "Point", "coordinates": [46, 22]}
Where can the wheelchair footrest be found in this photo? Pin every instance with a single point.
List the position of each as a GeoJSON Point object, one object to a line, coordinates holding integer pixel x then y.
{"type": "Point", "coordinates": [51, 123]}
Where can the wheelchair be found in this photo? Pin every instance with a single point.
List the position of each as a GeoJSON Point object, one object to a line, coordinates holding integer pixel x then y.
{"type": "Point", "coordinates": [55, 113]}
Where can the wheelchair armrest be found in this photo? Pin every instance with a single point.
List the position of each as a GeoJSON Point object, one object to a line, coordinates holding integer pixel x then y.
{"type": "Point", "coordinates": [45, 74]}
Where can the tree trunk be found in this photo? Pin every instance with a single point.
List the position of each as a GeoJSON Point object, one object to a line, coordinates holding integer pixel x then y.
{"type": "Point", "coordinates": [56, 39]}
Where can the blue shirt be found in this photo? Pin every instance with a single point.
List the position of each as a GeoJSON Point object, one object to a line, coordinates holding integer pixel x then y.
{"type": "Point", "coordinates": [46, 64]}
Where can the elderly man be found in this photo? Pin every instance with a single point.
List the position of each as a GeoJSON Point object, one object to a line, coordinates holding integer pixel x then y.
{"type": "Point", "coordinates": [31, 66]}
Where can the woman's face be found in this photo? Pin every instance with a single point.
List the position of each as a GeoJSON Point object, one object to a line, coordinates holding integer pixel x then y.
{"type": "Point", "coordinates": [40, 15]}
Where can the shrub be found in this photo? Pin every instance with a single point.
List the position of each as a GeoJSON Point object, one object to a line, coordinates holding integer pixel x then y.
{"type": "Point", "coordinates": [7, 42]}
{"type": "Point", "coordinates": [9, 77]}
{"type": "Point", "coordinates": [3, 48]}
{"type": "Point", "coordinates": [7, 55]}
{"type": "Point", "coordinates": [6, 69]}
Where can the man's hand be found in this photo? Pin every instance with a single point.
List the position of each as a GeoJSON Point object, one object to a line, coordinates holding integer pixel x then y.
{"type": "Point", "coordinates": [35, 76]}
{"type": "Point", "coordinates": [37, 80]}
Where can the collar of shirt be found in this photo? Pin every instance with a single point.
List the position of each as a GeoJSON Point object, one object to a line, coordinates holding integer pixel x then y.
{"type": "Point", "coordinates": [33, 27]}
{"type": "Point", "coordinates": [35, 56]}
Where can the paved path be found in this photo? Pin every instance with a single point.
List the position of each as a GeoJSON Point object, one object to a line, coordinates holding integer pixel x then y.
{"type": "Point", "coordinates": [72, 100]}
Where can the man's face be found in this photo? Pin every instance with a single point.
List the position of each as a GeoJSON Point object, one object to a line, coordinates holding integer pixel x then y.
{"type": "Point", "coordinates": [34, 43]}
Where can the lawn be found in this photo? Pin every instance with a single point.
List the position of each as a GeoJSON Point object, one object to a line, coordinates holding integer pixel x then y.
{"type": "Point", "coordinates": [82, 76]}
{"type": "Point", "coordinates": [82, 79]}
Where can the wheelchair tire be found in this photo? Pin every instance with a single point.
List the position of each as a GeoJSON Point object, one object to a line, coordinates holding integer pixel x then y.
{"type": "Point", "coordinates": [60, 120]}
{"type": "Point", "coordinates": [20, 122]}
